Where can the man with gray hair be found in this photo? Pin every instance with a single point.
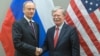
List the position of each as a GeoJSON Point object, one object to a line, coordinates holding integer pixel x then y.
{"type": "Point", "coordinates": [25, 32]}
{"type": "Point", "coordinates": [61, 39]}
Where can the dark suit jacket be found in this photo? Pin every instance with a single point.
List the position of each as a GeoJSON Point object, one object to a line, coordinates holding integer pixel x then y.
{"type": "Point", "coordinates": [67, 45]}
{"type": "Point", "coordinates": [24, 39]}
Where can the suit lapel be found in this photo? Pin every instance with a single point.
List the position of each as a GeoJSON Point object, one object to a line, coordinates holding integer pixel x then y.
{"type": "Point", "coordinates": [52, 37]}
{"type": "Point", "coordinates": [63, 30]}
{"type": "Point", "coordinates": [35, 30]}
{"type": "Point", "coordinates": [27, 26]}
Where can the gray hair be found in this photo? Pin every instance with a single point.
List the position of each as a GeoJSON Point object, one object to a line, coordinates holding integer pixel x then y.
{"type": "Point", "coordinates": [27, 2]}
{"type": "Point", "coordinates": [59, 7]}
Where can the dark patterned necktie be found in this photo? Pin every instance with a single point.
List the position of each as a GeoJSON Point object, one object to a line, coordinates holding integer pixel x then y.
{"type": "Point", "coordinates": [31, 25]}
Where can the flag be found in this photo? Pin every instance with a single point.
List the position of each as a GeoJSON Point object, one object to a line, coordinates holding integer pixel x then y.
{"type": "Point", "coordinates": [85, 16]}
{"type": "Point", "coordinates": [42, 17]}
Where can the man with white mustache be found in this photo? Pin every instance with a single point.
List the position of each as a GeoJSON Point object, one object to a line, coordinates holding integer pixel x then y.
{"type": "Point", "coordinates": [61, 39]}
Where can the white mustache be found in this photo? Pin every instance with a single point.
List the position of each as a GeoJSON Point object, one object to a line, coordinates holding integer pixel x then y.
{"type": "Point", "coordinates": [56, 19]}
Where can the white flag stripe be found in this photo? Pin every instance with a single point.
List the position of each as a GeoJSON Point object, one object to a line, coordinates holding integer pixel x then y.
{"type": "Point", "coordinates": [87, 18]}
{"type": "Point", "coordinates": [44, 8]}
{"type": "Point", "coordinates": [82, 52]}
{"type": "Point", "coordinates": [97, 12]}
{"type": "Point", "coordinates": [81, 30]}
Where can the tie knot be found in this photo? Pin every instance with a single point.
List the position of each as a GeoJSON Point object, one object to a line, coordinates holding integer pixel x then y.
{"type": "Point", "coordinates": [57, 28]}
{"type": "Point", "coordinates": [30, 22]}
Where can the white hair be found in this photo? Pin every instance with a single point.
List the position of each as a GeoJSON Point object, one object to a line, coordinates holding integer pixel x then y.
{"type": "Point", "coordinates": [57, 8]}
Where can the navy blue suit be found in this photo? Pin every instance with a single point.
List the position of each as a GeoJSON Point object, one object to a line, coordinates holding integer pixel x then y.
{"type": "Point", "coordinates": [67, 45]}
{"type": "Point", "coordinates": [25, 41]}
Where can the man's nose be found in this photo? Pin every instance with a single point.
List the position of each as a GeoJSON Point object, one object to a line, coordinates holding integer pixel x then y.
{"type": "Point", "coordinates": [31, 10]}
{"type": "Point", "coordinates": [56, 16]}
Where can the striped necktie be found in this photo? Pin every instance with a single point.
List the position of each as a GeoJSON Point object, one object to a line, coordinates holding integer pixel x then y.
{"type": "Point", "coordinates": [31, 25]}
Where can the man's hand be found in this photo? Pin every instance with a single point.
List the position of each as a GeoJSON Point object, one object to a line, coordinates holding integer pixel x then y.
{"type": "Point", "coordinates": [38, 51]}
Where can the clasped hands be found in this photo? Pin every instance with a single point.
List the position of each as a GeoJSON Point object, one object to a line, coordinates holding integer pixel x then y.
{"type": "Point", "coordinates": [38, 51]}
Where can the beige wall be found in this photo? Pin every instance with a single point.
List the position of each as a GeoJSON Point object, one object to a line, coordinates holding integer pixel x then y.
{"type": "Point", "coordinates": [63, 3]}
{"type": "Point", "coordinates": [4, 5]}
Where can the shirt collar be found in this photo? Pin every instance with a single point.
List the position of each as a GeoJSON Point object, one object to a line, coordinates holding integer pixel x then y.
{"type": "Point", "coordinates": [28, 20]}
{"type": "Point", "coordinates": [60, 26]}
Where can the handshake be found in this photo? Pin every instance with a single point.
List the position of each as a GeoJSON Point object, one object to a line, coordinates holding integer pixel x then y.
{"type": "Point", "coordinates": [38, 51]}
